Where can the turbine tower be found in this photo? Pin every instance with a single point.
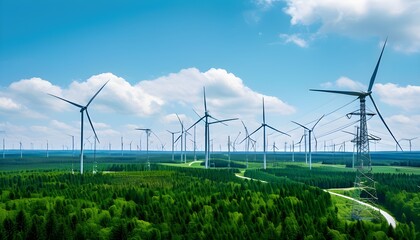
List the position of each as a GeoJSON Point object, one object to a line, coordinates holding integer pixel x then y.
{"type": "Point", "coordinates": [263, 126]}
{"type": "Point", "coordinates": [183, 137]}
{"type": "Point", "coordinates": [173, 143]}
{"type": "Point", "coordinates": [247, 142]}
{"type": "Point", "coordinates": [72, 144]}
{"type": "Point", "coordinates": [364, 183]}
{"type": "Point", "coordinates": [207, 124]}
{"type": "Point", "coordinates": [4, 144]}
{"type": "Point", "coordinates": [409, 141]}
{"type": "Point", "coordinates": [310, 130]}
{"type": "Point", "coordinates": [82, 110]}
{"type": "Point", "coordinates": [148, 131]}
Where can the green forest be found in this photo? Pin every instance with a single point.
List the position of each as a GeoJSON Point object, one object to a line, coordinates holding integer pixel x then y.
{"type": "Point", "coordinates": [167, 202]}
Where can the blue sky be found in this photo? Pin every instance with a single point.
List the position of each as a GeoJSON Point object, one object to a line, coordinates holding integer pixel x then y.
{"type": "Point", "coordinates": [158, 55]}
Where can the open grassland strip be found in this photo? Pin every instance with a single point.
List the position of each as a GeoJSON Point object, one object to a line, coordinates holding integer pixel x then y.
{"type": "Point", "coordinates": [390, 219]}
{"type": "Point", "coordinates": [267, 176]}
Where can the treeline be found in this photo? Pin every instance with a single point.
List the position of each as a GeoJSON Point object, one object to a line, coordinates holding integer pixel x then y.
{"type": "Point", "coordinates": [318, 177]}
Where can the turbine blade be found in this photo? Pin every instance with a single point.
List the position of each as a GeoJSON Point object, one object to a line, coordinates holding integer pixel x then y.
{"type": "Point", "coordinates": [196, 113]}
{"type": "Point", "coordinates": [372, 79]}
{"type": "Point", "coordinates": [317, 122]}
{"type": "Point", "coordinates": [300, 125]}
{"type": "Point", "coordinates": [225, 120]}
{"type": "Point", "coordinates": [195, 123]}
{"type": "Point", "coordinates": [277, 130]}
{"type": "Point", "coordinates": [255, 131]}
{"type": "Point", "coordinates": [217, 120]}
{"type": "Point", "coordinates": [205, 101]}
{"type": "Point", "coordinates": [156, 136]}
{"type": "Point", "coordinates": [246, 129]}
{"type": "Point", "coordinates": [91, 124]}
{"type": "Point", "coordinates": [72, 103]}
{"type": "Point", "coordinates": [263, 111]}
{"type": "Point", "coordinates": [249, 136]}
{"type": "Point", "coordinates": [179, 119]}
{"type": "Point", "coordinates": [351, 93]}
{"type": "Point", "coordinates": [300, 139]}
{"type": "Point", "coordinates": [237, 137]}
{"type": "Point", "coordinates": [96, 94]}
{"type": "Point", "coordinates": [383, 120]}
{"type": "Point", "coordinates": [178, 138]}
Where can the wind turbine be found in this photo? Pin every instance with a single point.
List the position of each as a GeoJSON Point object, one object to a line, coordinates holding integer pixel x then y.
{"type": "Point", "coordinates": [72, 144]}
{"type": "Point", "coordinates": [364, 184]}
{"type": "Point", "coordinates": [4, 144]}
{"type": "Point", "coordinates": [20, 147]}
{"type": "Point", "coordinates": [246, 143]}
{"type": "Point", "coordinates": [173, 143]}
{"type": "Point", "coordinates": [409, 141]}
{"type": "Point", "coordinates": [95, 164]}
{"type": "Point", "coordinates": [310, 130]}
{"type": "Point", "coordinates": [148, 131]}
{"type": "Point", "coordinates": [194, 144]}
{"type": "Point", "coordinates": [122, 146]}
{"type": "Point", "coordinates": [275, 147]}
{"type": "Point", "coordinates": [82, 110]}
{"type": "Point", "coordinates": [207, 128]}
{"type": "Point", "coordinates": [263, 126]}
{"type": "Point", "coordinates": [228, 145]}
{"type": "Point", "coordinates": [183, 137]}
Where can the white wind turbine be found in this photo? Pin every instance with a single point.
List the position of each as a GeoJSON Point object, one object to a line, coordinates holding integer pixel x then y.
{"type": "Point", "coordinates": [4, 144]}
{"type": "Point", "coordinates": [310, 130]}
{"type": "Point", "coordinates": [173, 143]}
{"type": "Point", "coordinates": [263, 126]}
{"type": "Point", "coordinates": [148, 132]}
{"type": "Point", "coordinates": [207, 124]}
{"type": "Point", "coordinates": [82, 110]}
{"type": "Point", "coordinates": [183, 138]}
{"type": "Point", "coordinates": [409, 141]}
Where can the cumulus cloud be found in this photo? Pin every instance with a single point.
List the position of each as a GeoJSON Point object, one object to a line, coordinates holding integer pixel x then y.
{"type": "Point", "coordinates": [345, 83]}
{"type": "Point", "coordinates": [397, 19]}
{"type": "Point", "coordinates": [7, 104]}
{"type": "Point", "coordinates": [225, 92]}
{"type": "Point", "coordinates": [121, 102]}
{"type": "Point", "coordinates": [407, 97]}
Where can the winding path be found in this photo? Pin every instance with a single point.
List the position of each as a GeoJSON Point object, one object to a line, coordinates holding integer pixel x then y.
{"type": "Point", "coordinates": [191, 163]}
{"type": "Point", "coordinates": [390, 219]}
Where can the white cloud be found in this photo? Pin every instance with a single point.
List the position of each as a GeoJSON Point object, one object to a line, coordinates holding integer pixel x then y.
{"type": "Point", "coordinates": [407, 98]}
{"type": "Point", "coordinates": [7, 104]}
{"type": "Point", "coordinates": [397, 19]}
{"type": "Point", "coordinates": [264, 4]}
{"type": "Point", "coordinates": [151, 103]}
{"type": "Point", "coordinates": [346, 84]}
{"type": "Point", "coordinates": [295, 39]}
{"type": "Point", "coordinates": [172, 118]}
{"type": "Point", "coordinates": [32, 93]}
{"type": "Point", "coordinates": [225, 92]}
